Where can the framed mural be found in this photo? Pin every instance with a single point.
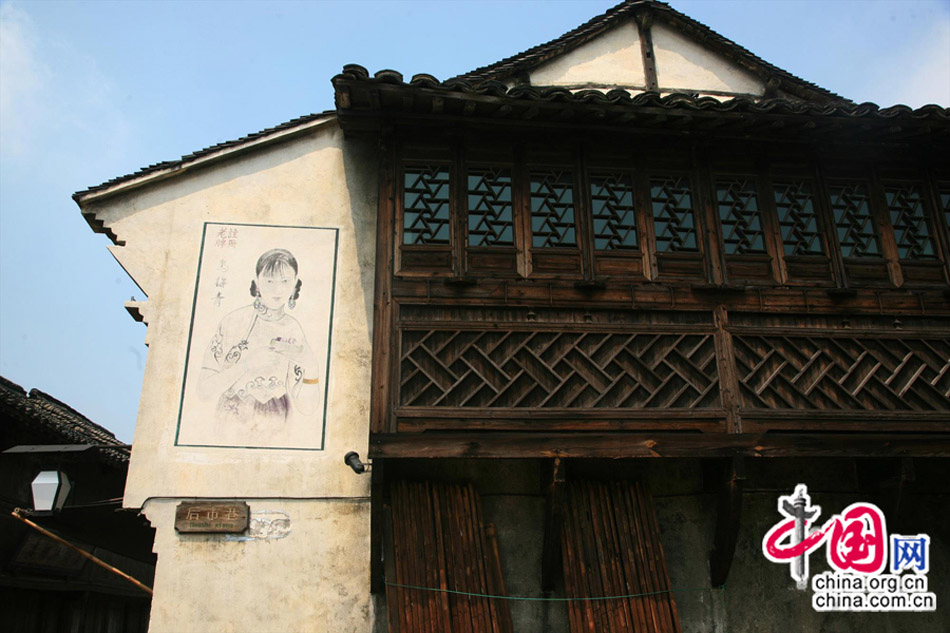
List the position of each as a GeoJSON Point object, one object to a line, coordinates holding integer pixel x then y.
{"type": "Point", "coordinates": [258, 359]}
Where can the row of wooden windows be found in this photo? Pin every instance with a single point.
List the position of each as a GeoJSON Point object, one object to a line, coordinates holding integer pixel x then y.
{"type": "Point", "coordinates": [532, 222]}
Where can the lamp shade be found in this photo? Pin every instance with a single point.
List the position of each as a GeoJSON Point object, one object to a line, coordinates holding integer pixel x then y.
{"type": "Point", "coordinates": [50, 489]}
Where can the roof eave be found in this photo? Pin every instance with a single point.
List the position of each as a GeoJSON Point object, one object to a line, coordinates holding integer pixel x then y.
{"type": "Point", "coordinates": [364, 102]}
{"type": "Point", "coordinates": [170, 169]}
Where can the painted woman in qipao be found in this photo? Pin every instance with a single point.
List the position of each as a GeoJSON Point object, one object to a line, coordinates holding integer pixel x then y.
{"type": "Point", "coordinates": [259, 364]}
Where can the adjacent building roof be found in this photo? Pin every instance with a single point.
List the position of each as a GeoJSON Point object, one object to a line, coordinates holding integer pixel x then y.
{"type": "Point", "coordinates": [40, 415]}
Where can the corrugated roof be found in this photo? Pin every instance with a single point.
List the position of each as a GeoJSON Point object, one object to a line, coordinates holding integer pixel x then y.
{"type": "Point", "coordinates": [537, 55]}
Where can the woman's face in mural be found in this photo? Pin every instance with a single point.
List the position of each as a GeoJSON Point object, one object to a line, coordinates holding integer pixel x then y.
{"type": "Point", "coordinates": [277, 287]}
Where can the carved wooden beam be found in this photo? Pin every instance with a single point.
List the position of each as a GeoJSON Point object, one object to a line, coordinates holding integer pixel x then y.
{"type": "Point", "coordinates": [473, 445]}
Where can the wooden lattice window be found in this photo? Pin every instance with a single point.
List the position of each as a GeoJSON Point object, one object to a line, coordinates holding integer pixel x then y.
{"type": "Point", "coordinates": [911, 231]}
{"type": "Point", "coordinates": [797, 218]}
{"type": "Point", "coordinates": [674, 222]}
{"type": "Point", "coordinates": [614, 214]}
{"type": "Point", "coordinates": [552, 209]}
{"type": "Point", "coordinates": [490, 219]}
{"type": "Point", "coordinates": [426, 208]}
{"type": "Point", "coordinates": [852, 214]}
{"type": "Point", "coordinates": [739, 217]}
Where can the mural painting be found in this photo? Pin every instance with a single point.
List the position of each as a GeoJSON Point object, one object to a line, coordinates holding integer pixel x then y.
{"type": "Point", "coordinates": [258, 351]}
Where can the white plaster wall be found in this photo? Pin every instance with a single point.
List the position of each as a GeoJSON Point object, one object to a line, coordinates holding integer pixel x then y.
{"type": "Point", "coordinates": [312, 577]}
{"type": "Point", "coordinates": [683, 65]}
{"type": "Point", "coordinates": [612, 59]}
{"type": "Point", "coordinates": [316, 577]}
{"type": "Point", "coordinates": [311, 181]}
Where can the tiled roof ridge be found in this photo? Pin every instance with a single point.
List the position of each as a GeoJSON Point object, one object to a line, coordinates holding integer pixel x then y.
{"type": "Point", "coordinates": [627, 9]}
{"type": "Point", "coordinates": [58, 420]}
{"type": "Point", "coordinates": [67, 413]}
{"type": "Point", "coordinates": [621, 97]}
{"type": "Point", "coordinates": [171, 164]}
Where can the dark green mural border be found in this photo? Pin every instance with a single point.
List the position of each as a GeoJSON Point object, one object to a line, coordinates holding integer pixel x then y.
{"type": "Point", "coordinates": [191, 327]}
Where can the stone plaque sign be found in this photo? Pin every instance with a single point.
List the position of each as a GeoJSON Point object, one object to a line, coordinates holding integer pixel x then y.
{"type": "Point", "coordinates": [212, 516]}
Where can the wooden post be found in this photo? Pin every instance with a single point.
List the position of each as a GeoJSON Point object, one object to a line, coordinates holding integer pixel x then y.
{"type": "Point", "coordinates": [377, 579]}
{"type": "Point", "coordinates": [383, 342]}
{"type": "Point", "coordinates": [728, 380]}
{"type": "Point", "coordinates": [728, 515]}
{"type": "Point", "coordinates": [553, 524]}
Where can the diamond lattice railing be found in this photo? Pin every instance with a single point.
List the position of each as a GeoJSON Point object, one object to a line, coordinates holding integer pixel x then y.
{"type": "Point", "coordinates": [823, 372]}
{"type": "Point", "coordinates": [552, 369]}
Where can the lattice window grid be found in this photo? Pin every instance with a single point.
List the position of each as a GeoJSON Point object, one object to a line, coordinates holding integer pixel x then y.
{"type": "Point", "coordinates": [853, 224]}
{"type": "Point", "coordinates": [674, 222]}
{"type": "Point", "coordinates": [426, 210]}
{"type": "Point", "coordinates": [911, 231]}
{"type": "Point", "coordinates": [614, 213]}
{"type": "Point", "coordinates": [739, 217]}
{"type": "Point", "coordinates": [797, 219]}
{"type": "Point", "coordinates": [490, 221]}
{"type": "Point", "coordinates": [552, 209]}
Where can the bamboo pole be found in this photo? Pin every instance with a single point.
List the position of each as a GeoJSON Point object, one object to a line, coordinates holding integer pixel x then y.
{"type": "Point", "coordinates": [98, 561]}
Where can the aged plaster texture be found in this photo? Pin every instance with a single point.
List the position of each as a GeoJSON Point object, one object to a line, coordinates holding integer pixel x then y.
{"type": "Point", "coordinates": [613, 59]}
{"type": "Point", "coordinates": [683, 65]}
{"type": "Point", "coordinates": [315, 578]}
{"type": "Point", "coordinates": [310, 181]}
{"type": "Point", "coordinates": [304, 565]}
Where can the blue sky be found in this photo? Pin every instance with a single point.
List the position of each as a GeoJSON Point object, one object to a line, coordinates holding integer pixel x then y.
{"type": "Point", "coordinates": [94, 90]}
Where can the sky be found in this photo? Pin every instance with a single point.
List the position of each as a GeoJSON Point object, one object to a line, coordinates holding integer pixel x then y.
{"type": "Point", "coordinates": [94, 90]}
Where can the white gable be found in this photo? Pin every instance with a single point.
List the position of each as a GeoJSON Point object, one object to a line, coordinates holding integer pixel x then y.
{"type": "Point", "coordinates": [612, 59]}
{"type": "Point", "coordinates": [683, 65]}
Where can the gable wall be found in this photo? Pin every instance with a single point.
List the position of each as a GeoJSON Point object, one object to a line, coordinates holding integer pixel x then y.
{"type": "Point", "coordinates": [309, 512]}
{"type": "Point", "coordinates": [612, 59]}
{"type": "Point", "coordinates": [683, 65]}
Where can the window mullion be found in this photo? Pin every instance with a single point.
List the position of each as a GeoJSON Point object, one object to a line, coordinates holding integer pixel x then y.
{"type": "Point", "coordinates": [459, 211]}
{"type": "Point", "coordinates": [583, 213]}
{"type": "Point", "coordinates": [710, 242]}
{"type": "Point", "coordinates": [879, 211]}
{"type": "Point", "coordinates": [770, 225]}
{"type": "Point", "coordinates": [822, 202]}
{"type": "Point", "coordinates": [521, 211]}
{"type": "Point", "coordinates": [643, 203]}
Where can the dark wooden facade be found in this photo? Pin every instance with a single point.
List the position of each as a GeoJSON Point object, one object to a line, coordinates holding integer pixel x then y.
{"type": "Point", "coordinates": [658, 282]}
{"type": "Point", "coordinates": [571, 276]}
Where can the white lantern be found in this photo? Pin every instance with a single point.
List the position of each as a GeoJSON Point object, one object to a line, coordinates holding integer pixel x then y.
{"type": "Point", "coordinates": [50, 489]}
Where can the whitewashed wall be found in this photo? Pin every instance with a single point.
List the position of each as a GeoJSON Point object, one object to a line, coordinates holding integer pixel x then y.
{"type": "Point", "coordinates": [305, 563]}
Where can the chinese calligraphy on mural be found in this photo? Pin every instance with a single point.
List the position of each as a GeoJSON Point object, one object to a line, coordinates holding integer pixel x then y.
{"type": "Point", "coordinates": [258, 352]}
